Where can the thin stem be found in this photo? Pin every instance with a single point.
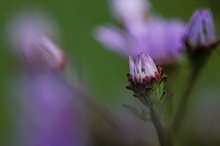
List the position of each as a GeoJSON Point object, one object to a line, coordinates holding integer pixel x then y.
{"type": "Point", "coordinates": [163, 135]}
{"type": "Point", "coordinates": [182, 108]}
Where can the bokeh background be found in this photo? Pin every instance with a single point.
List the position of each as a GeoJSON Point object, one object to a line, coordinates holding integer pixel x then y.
{"type": "Point", "coordinates": [101, 72]}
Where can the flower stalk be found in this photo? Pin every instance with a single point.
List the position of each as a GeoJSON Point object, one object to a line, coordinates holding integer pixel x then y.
{"type": "Point", "coordinates": [162, 132]}
{"type": "Point", "coordinates": [184, 100]}
{"type": "Point", "coordinates": [147, 83]}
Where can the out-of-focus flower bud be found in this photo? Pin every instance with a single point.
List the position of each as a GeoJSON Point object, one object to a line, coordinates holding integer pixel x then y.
{"type": "Point", "coordinates": [146, 80]}
{"type": "Point", "coordinates": [53, 111]}
{"type": "Point", "coordinates": [200, 30]}
{"type": "Point", "coordinates": [31, 32]}
{"type": "Point", "coordinates": [42, 52]}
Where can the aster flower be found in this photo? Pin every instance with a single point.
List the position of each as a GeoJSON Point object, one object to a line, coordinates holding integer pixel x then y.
{"type": "Point", "coordinates": [200, 29]}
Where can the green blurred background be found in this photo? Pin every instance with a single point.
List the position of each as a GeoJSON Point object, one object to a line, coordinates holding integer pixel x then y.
{"type": "Point", "coordinates": [103, 73]}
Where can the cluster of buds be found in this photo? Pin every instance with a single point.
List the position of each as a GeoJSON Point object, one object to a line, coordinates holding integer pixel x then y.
{"type": "Point", "coordinates": [146, 80]}
{"type": "Point", "coordinates": [200, 36]}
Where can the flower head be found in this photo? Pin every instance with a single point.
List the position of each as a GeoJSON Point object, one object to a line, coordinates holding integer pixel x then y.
{"type": "Point", "coordinates": [146, 79]}
{"type": "Point", "coordinates": [200, 29]}
{"type": "Point", "coordinates": [143, 69]}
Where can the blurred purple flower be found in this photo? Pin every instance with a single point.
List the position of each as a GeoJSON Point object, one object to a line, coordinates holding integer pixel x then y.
{"type": "Point", "coordinates": [53, 111]}
{"type": "Point", "coordinates": [200, 29]}
{"type": "Point", "coordinates": [30, 33]}
{"type": "Point", "coordinates": [161, 39]}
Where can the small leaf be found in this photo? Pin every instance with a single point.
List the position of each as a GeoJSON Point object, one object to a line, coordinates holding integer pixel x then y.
{"type": "Point", "coordinates": [141, 114]}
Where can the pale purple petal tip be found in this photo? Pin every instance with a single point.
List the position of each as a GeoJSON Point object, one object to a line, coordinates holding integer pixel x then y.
{"type": "Point", "coordinates": [130, 10]}
{"type": "Point", "coordinates": [112, 38]}
{"type": "Point", "coordinates": [131, 65]}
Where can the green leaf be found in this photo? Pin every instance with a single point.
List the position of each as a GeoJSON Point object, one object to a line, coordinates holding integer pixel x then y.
{"type": "Point", "coordinates": [140, 113]}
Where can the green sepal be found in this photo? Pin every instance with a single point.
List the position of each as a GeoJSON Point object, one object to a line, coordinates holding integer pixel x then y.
{"type": "Point", "coordinates": [149, 94]}
{"type": "Point", "coordinates": [162, 99]}
{"type": "Point", "coordinates": [161, 90]}
{"type": "Point", "coordinates": [130, 87]}
{"type": "Point", "coordinates": [163, 80]}
{"type": "Point", "coordinates": [140, 87]}
{"type": "Point", "coordinates": [148, 91]}
{"type": "Point", "coordinates": [153, 83]}
{"type": "Point", "coordinates": [140, 113]}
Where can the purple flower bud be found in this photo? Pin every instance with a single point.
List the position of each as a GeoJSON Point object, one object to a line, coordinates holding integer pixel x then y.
{"type": "Point", "coordinates": [29, 32]}
{"type": "Point", "coordinates": [200, 29]}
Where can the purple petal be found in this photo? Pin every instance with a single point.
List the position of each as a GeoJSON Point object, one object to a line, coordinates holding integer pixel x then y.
{"type": "Point", "coordinates": [112, 38]}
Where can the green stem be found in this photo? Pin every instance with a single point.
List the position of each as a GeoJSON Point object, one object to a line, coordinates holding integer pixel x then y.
{"type": "Point", "coordinates": [163, 135]}
{"type": "Point", "coordinates": [182, 108]}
